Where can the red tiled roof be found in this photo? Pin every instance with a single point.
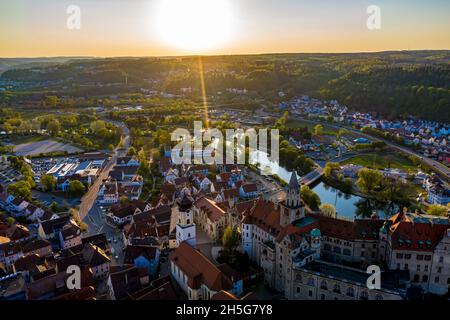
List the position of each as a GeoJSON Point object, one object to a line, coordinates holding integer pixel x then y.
{"type": "Point", "coordinates": [199, 269]}
{"type": "Point", "coordinates": [250, 187]}
{"type": "Point", "coordinates": [407, 234]}
{"type": "Point", "coordinates": [213, 211]}
{"type": "Point", "coordinates": [230, 193]}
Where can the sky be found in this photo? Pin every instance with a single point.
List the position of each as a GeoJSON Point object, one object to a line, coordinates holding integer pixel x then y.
{"type": "Point", "coordinates": [30, 28]}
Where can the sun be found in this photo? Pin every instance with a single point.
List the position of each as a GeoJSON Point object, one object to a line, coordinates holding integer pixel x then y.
{"type": "Point", "coordinates": [194, 25]}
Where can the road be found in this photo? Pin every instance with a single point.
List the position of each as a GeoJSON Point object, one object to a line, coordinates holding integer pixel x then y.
{"type": "Point", "coordinates": [436, 165]}
{"type": "Point", "coordinates": [311, 177]}
{"type": "Point", "coordinates": [97, 223]}
{"type": "Point", "coordinates": [88, 200]}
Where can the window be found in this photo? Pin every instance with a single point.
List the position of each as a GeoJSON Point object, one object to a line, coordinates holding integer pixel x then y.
{"type": "Point", "coordinates": [426, 268]}
{"type": "Point", "coordinates": [427, 258]}
{"type": "Point", "coordinates": [337, 288]}
{"type": "Point", "coordinates": [327, 247]}
{"type": "Point", "coordinates": [298, 289]}
{"type": "Point", "coordinates": [399, 255]}
{"type": "Point", "coordinates": [436, 279]}
{"type": "Point", "coordinates": [363, 246]}
{"type": "Point", "coordinates": [310, 293]}
{"type": "Point", "coordinates": [416, 278]}
{"type": "Point", "coordinates": [379, 297]}
{"type": "Point", "coordinates": [425, 278]}
{"type": "Point", "coordinates": [439, 270]}
{"type": "Point", "coordinates": [407, 256]}
{"type": "Point", "coordinates": [298, 277]}
{"type": "Point", "coordinates": [188, 221]}
{"type": "Point", "coordinates": [322, 297]}
{"type": "Point", "coordinates": [419, 257]}
{"type": "Point", "coordinates": [364, 295]}
{"type": "Point", "coordinates": [324, 285]}
{"type": "Point", "coordinates": [406, 266]}
{"type": "Point", "coordinates": [441, 259]}
{"type": "Point", "coordinates": [347, 252]}
{"type": "Point", "coordinates": [337, 250]}
{"type": "Point", "coordinates": [311, 282]}
{"type": "Point", "coordinates": [374, 246]}
{"type": "Point", "coordinates": [350, 292]}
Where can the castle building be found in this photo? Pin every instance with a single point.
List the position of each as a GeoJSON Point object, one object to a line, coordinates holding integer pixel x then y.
{"type": "Point", "coordinates": [306, 255]}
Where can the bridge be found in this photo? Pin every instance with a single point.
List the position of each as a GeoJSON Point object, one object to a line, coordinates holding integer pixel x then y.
{"type": "Point", "coordinates": [311, 177]}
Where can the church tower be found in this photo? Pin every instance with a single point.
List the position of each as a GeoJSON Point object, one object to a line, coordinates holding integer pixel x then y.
{"type": "Point", "coordinates": [185, 227]}
{"type": "Point", "coordinates": [292, 209]}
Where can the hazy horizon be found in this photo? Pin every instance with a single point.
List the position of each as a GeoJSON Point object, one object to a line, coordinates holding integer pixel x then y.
{"type": "Point", "coordinates": [221, 54]}
{"type": "Point", "coordinates": [146, 28]}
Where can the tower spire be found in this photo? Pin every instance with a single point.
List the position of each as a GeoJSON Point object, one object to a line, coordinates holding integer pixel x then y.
{"type": "Point", "coordinates": [293, 182]}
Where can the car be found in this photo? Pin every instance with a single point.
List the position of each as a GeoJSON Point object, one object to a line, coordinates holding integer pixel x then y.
{"type": "Point", "coordinates": [109, 240]}
{"type": "Point", "coordinates": [116, 257]}
{"type": "Point", "coordinates": [115, 240]}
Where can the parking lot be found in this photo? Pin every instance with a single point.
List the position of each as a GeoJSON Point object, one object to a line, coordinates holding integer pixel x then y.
{"type": "Point", "coordinates": [8, 175]}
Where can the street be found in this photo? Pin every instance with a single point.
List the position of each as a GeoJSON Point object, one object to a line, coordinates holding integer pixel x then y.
{"type": "Point", "coordinates": [89, 198]}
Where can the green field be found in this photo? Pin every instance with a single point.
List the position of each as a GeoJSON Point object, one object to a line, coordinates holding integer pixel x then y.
{"type": "Point", "coordinates": [19, 139]}
{"type": "Point", "coordinates": [382, 161]}
{"type": "Point", "coordinates": [302, 124]}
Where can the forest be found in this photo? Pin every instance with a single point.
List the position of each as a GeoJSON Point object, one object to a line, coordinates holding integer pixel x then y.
{"type": "Point", "coordinates": [395, 84]}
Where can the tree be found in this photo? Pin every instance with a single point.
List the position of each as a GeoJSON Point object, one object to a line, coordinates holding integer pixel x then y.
{"type": "Point", "coordinates": [369, 181]}
{"type": "Point", "coordinates": [342, 132]}
{"type": "Point", "coordinates": [230, 240]}
{"type": "Point", "coordinates": [98, 126]}
{"type": "Point", "coordinates": [330, 167]}
{"type": "Point", "coordinates": [20, 189]}
{"type": "Point", "coordinates": [310, 197]}
{"type": "Point", "coordinates": [54, 207]}
{"type": "Point", "coordinates": [10, 220]}
{"type": "Point", "coordinates": [76, 188]}
{"type": "Point", "coordinates": [48, 182]}
{"type": "Point", "coordinates": [124, 200]}
{"type": "Point", "coordinates": [318, 130]}
{"type": "Point", "coordinates": [51, 101]}
{"type": "Point", "coordinates": [438, 210]}
{"type": "Point", "coordinates": [141, 156]}
{"type": "Point", "coordinates": [54, 126]}
{"type": "Point", "coordinates": [111, 147]}
{"type": "Point", "coordinates": [131, 151]}
{"type": "Point", "coordinates": [328, 210]}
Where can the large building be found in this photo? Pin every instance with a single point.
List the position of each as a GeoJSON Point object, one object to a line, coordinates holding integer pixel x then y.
{"type": "Point", "coordinates": [198, 277]}
{"type": "Point", "coordinates": [289, 242]}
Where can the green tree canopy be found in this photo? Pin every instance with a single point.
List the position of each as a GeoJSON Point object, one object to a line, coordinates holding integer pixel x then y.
{"type": "Point", "coordinates": [76, 188]}
{"type": "Point", "coordinates": [48, 182]}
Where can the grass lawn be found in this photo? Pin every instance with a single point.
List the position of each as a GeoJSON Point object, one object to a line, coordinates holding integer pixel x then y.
{"type": "Point", "coordinates": [382, 161]}
{"type": "Point", "coordinates": [19, 139]}
{"type": "Point", "coordinates": [291, 123]}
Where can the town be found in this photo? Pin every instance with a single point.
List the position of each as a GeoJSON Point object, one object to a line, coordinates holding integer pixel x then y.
{"type": "Point", "coordinates": [220, 231]}
{"type": "Point", "coordinates": [89, 178]}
